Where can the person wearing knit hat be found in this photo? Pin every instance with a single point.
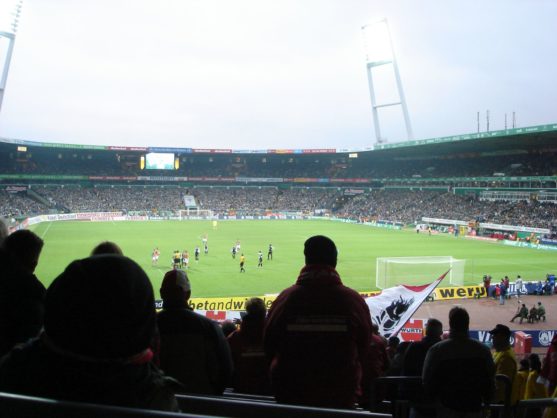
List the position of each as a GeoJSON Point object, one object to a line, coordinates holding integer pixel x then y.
{"type": "Point", "coordinates": [95, 347]}
{"type": "Point", "coordinates": [193, 349]}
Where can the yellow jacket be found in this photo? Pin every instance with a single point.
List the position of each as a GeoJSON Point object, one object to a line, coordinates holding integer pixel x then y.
{"type": "Point", "coordinates": [505, 363]}
{"type": "Point", "coordinates": [521, 378]}
{"type": "Point", "coordinates": [534, 390]}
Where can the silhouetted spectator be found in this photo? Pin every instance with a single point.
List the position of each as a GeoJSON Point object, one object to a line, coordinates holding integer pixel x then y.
{"type": "Point", "coordinates": [99, 322]}
{"type": "Point", "coordinates": [392, 346]}
{"type": "Point", "coordinates": [459, 372]}
{"type": "Point", "coordinates": [413, 365]}
{"type": "Point", "coordinates": [192, 347]}
{"type": "Point", "coordinates": [318, 334]}
{"type": "Point", "coordinates": [548, 373]}
{"type": "Point", "coordinates": [4, 232]}
{"type": "Point", "coordinates": [21, 293]}
{"type": "Point", "coordinates": [521, 378]}
{"type": "Point", "coordinates": [107, 247]}
{"type": "Point", "coordinates": [251, 367]}
{"type": "Point", "coordinates": [228, 327]}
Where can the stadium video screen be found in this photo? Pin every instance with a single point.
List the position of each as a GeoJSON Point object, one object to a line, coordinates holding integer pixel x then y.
{"type": "Point", "coordinates": [159, 161]}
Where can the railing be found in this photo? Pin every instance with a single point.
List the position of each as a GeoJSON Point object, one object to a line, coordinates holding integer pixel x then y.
{"type": "Point", "coordinates": [400, 408]}
{"type": "Point", "coordinates": [242, 408]}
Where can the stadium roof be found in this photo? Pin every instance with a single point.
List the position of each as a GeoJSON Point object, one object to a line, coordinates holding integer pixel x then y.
{"type": "Point", "coordinates": [529, 137]}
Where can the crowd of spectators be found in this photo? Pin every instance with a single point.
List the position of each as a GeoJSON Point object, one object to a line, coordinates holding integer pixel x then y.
{"type": "Point", "coordinates": [395, 205]}
{"type": "Point", "coordinates": [316, 347]}
{"type": "Point", "coordinates": [372, 165]}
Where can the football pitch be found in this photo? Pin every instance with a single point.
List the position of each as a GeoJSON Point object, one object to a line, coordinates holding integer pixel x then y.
{"type": "Point", "coordinates": [218, 274]}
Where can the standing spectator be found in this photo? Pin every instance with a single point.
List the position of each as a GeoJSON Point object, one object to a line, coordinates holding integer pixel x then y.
{"type": "Point", "coordinates": [413, 365]}
{"type": "Point", "coordinates": [318, 334]}
{"type": "Point", "coordinates": [519, 285]}
{"type": "Point", "coordinates": [459, 371]}
{"type": "Point", "coordinates": [502, 292]}
{"type": "Point", "coordinates": [21, 293]}
{"type": "Point", "coordinates": [98, 327]}
{"type": "Point", "coordinates": [246, 344]}
{"type": "Point", "coordinates": [504, 359]}
{"type": "Point", "coordinates": [548, 373]}
{"type": "Point", "coordinates": [521, 378]}
{"type": "Point", "coordinates": [534, 390]}
{"type": "Point", "coordinates": [192, 347]}
{"type": "Point", "coordinates": [487, 283]}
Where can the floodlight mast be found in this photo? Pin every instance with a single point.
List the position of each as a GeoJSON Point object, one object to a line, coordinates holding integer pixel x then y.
{"type": "Point", "coordinates": [387, 58]}
{"type": "Point", "coordinates": [9, 34]}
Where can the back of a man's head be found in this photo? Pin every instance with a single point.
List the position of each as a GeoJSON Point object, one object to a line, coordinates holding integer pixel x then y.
{"type": "Point", "coordinates": [255, 308]}
{"type": "Point", "coordinates": [434, 328]}
{"type": "Point", "coordinates": [101, 307]}
{"type": "Point", "coordinates": [459, 320]}
{"type": "Point", "coordinates": [175, 289]}
{"type": "Point", "coordinates": [107, 247]}
{"type": "Point", "coordinates": [320, 250]}
{"type": "Point", "coordinates": [24, 247]}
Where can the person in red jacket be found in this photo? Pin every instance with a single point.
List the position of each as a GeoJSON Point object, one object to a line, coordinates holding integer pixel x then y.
{"type": "Point", "coordinates": [318, 334]}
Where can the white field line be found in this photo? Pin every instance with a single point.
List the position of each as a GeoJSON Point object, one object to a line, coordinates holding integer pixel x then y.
{"type": "Point", "coordinates": [46, 230]}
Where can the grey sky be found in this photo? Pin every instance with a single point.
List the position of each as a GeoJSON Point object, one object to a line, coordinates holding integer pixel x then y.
{"type": "Point", "coordinates": [271, 74]}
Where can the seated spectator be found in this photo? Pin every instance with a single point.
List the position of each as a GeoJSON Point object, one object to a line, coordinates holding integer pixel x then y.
{"type": "Point", "coordinates": [99, 323]}
{"type": "Point", "coordinates": [193, 349]}
{"type": "Point", "coordinates": [21, 293]}
{"type": "Point", "coordinates": [318, 334]}
{"type": "Point", "coordinates": [246, 344]}
{"type": "Point", "coordinates": [533, 315]}
{"type": "Point", "coordinates": [541, 312]}
{"type": "Point", "coordinates": [459, 372]}
{"type": "Point", "coordinates": [107, 247]}
{"type": "Point", "coordinates": [522, 313]}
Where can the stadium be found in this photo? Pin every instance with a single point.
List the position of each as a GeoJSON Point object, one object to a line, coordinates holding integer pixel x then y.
{"type": "Point", "coordinates": [471, 205]}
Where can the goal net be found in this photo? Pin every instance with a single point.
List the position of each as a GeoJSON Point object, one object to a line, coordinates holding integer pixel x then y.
{"type": "Point", "coordinates": [195, 213]}
{"type": "Point", "coordinates": [415, 271]}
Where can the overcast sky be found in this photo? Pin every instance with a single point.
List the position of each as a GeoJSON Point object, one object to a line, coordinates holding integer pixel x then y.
{"type": "Point", "coordinates": [272, 74]}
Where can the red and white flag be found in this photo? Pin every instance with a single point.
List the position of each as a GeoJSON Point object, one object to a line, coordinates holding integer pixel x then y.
{"type": "Point", "coordinates": [391, 308]}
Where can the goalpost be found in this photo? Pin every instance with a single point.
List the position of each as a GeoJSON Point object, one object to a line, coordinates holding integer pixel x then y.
{"type": "Point", "coordinates": [196, 213]}
{"type": "Point", "coordinates": [415, 271]}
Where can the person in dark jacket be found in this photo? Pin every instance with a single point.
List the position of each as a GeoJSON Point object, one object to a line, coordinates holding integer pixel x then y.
{"type": "Point", "coordinates": [95, 348]}
{"type": "Point", "coordinates": [193, 349]}
{"type": "Point", "coordinates": [318, 334]}
{"type": "Point", "coordinates": [21, 293]}
{"type": "Point", "coordinates": [250, 364]}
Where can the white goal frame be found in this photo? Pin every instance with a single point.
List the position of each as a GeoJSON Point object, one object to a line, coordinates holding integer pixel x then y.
{"type": "Point", "coordinates": [195, 213]}
{"type": "Point", "coordinates": [455, 276]}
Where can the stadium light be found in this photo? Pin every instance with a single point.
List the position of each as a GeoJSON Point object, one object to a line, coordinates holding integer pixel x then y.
{"type": "Point", "coordinates": [10, 11]}
{"type": "Point", "coordinates": [378, 46]}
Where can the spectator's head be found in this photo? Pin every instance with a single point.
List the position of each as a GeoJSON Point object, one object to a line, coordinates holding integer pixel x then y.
{"type": "Point", "coordinates": [320, 250]}
{"type": "Point", "coordinates": [24, 247]}
{"type": "Point", "coordinates": [434, 328]}
{"type": "Point", "coordinates": [4, 232]}
{"type": "Point", "coordinates": [228, 327]}
{"type": "Point", "coordinates": [175, 289]}
{"type": "Point", "coordinates": [539, 303]}
{"type": "Point", "coordinates": [459, 321]}
{"type": "Point", "coordinates": [501, 337]}
{"type": "Point", "coordinates": [107, 247]}
{"type": "Point", "coordinates": [534, 362]}
{"type": "Point", "coordinates": [393, 342]}
{"type": "Point", "coordinates": [255, 308]}
{"type": "Point", "coordinates": [101, 307]}
{"type": "Point", "coordinates": [524, 364]}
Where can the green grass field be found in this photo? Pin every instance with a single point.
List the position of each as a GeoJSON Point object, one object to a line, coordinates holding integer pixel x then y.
{"type": "Point", "coordinates": [217, 274]}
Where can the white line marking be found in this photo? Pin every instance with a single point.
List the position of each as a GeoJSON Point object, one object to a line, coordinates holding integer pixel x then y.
{"type": "Point", "coordinates": [46, 230]}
